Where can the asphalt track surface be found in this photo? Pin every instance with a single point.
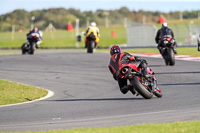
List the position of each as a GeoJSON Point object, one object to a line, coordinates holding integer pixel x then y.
{"type": "Point", "coordinates": [86, 95]}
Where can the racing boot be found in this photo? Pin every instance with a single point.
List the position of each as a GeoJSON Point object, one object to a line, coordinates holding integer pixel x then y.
{"type": "Point", "coordinates": [132, 90]}
{"type": "Point", "coordinates": [174, 49]}
{"type": "Point", "coordinates": [85, 44]}
{"type": "Point", "coordinates": [124, 89]}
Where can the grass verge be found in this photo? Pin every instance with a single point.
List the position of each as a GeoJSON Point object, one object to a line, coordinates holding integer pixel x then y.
{"type": "Point", "coordinates": [16, 93]}
{"type": "Point", "coordinates": [178, 127]}
{"type": "Point", "coordinates": [64, 38]}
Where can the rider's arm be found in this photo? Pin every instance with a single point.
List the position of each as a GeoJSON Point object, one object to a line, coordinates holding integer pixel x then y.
{"type": "Point", "coordinates": [113, 72]}
{"type": "Point", "coordinates": [157, 36]}
{"type": "Point", "coordinates": [28, 33]}
{"type": "Point", "coordinates": [87, 31]}
{"type": "Point", "coordinates": [136, 58]}
{"type": "Point", "coordinates": [129, 56]}
{"type": "Point", "coordinates": [172, 34]}
{"type": "Point", "coordinates": [98, 34]}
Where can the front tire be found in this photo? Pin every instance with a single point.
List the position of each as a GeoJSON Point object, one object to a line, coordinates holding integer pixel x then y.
{"type": "Point", "coordinates": [171, 59]}
{"type": "Point", "coordinates": [32, 49]}
{"type": "Point", "coordinates": [198, 47]}
{"type": "Point", "coordinates": [140, 88]}
{"type": "Point", "coordinates": [157, 94]}
{"type": "Point", "coordinates": [23, 52]}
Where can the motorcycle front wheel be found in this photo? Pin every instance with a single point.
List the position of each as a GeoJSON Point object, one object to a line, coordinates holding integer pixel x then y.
{"type": "Point", "coordinates": [32, 49]}
{"type": "Point", "coordinates": [198, 47]}
{"type": "Point", "coordinates": [157, 94]}
{"type": "Point", "coordinates": [144, 92]}
{"type": "Point", "coordinates": [171, 59]}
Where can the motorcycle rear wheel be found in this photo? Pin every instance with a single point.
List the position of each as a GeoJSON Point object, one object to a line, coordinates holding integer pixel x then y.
{"type": "Point", "coordinates": [140, 88]}
{"type": "Point", "coordinates": [90, 47]}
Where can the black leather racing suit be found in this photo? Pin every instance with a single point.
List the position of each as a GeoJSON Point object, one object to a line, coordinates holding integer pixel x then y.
{"type": "Point", "coordinates": [124, 58]}
{"type": "Point", "coordinates": [164, 33]}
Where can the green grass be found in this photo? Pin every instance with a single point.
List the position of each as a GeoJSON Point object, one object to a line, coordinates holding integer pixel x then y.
{"type": "Point", "coordinates": [64, 38]}
{"type": "Point", "coordinates": [178, 127]}
{"type": "Point", "coordinates": [16, 93]}
{"type": "Point", "coordinates": [192, 51]}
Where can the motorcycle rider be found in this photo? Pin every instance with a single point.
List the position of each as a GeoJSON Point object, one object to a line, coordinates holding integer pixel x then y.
{"type": "Point", "coordinates": [165, 31]}
{"type": "Point", "coordinates": [117, 58]}
{"type": "Point", "coordinates": [35, 30]}
{"type": "Point", "coordinates": [92, 32]}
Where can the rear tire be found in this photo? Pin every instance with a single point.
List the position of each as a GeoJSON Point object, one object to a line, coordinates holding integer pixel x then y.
{"type": "Point", "coordinates": [140, 88]}
{"type": "Point", "coordinates": [90, 47]}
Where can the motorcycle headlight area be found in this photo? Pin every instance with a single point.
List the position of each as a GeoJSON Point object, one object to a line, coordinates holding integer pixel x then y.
{"type": "Point", "coordinates": [165, 42]}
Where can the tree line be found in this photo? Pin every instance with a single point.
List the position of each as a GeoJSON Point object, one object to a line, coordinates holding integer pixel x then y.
{"type": "Point", "coordinates": [61, 17]}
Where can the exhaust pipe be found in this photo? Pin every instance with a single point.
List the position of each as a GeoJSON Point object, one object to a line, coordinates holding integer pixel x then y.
{"type": "Point", "coordinates": [124, 70]}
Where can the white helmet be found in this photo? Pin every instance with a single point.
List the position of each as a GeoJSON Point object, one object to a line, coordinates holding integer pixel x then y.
{"type": "Point", "coordinates": [165, 25]}
{"type": "Point", "coordinates": [93, 24]}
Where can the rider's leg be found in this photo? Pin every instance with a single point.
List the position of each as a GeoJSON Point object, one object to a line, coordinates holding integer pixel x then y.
{"type": "Point", "coordinates": [174, 48]}
{"type": "Point", "coordinates": [143, 66]}
{"type": "Point", "coordinates": [160, 49]}
{"type": "Point", "coordinates": [123, 85]}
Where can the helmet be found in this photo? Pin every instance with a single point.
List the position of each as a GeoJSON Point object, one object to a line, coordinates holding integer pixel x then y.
{"type": "Point", "coordinates": [164, 25]}
{"type": "Point", "coordinates": [35, 29]}
{"type": "Point", "coordinates": [93, 24]}
{"type": "Point", "coordinates": [115, 49]}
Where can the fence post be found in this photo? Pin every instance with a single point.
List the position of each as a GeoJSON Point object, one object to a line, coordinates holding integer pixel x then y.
{"type": "Point", "coordinates": [13, 32]}
{"type": "Point", "coordinates": [177, 33]}
{"type": "Point", "coordinates": [77, 32]}
{"type": "Point", "coordinates": [188, 34]}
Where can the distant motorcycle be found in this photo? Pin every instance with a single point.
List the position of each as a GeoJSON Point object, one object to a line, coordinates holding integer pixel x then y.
{"type": "Point", "coordinates": [168, 52]}
{"type": "Point", "coordinates": [198, 43]}
{"type": "Point", "coordinates": [31, 46]}
{"type": "Point", "coordinates": [144, 86]}
{"type": "Point", "coordinates": [90, 43]}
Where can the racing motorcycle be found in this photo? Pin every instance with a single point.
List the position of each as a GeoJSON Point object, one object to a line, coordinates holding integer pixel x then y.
{"type": "Point", "coordinates": [91, 43]}
{"type": "Point", "coordinates": [168, 52]}
{"type": "Point", "coordinates": [198, 43]}
{"type": "Point", "coordinates": [31, 46]}
{"type": "Point", "coordinates": [144, 86]}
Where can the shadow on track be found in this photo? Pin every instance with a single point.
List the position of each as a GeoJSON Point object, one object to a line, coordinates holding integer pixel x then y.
{"type": "Point", "coordinates": [177, 73]}
{"type": "Point", "coordinates": [172, 84]}
{"type": "Point", "coordinates": [103, 99]}
{"type": "Point", "coordinates": [156, 66]}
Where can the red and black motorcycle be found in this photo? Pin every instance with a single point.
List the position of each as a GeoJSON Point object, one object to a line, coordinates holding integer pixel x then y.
{"type": "Point", "coordinates": [31, 46]}
{"type": "Point", "coordinates": [144, 86]}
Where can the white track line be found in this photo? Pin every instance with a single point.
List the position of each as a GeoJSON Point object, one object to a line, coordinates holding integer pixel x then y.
{"type": "Point", "coordinates": [177, 57]}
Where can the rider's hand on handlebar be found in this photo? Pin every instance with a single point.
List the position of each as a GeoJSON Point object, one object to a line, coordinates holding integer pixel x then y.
{"type": "Point", "coordinates": [144, 61]}
{"type": "Point", "coordinates": [132, 58]}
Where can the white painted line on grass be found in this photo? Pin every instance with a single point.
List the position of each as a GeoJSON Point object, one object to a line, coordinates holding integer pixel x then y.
{"type": "Point", "coordinates": [50, 94]}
